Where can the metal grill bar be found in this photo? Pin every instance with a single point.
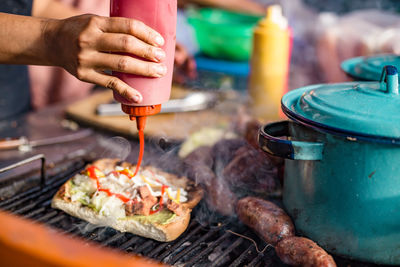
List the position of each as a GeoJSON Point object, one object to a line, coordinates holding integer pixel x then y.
{"type": "Point", "coordinates": [49, 190]}
{"type": "Point", "coordinates": [155, 251]}
{"type": "Point", "coordinates": [28, 160]}
{"type": "Point", "coordinates": [234, 245]}
{"type": "Point", "coordinates": [144, 246]}
{"type": "Point", "coordinates": [43, 199]}
{"type": "Point", "coordinates": [19, 196]}
{"type": "Point", "coordinates": [193, 246]}
{"type": "Point", "coordinates": [71, 230]}
{"type": "Point", "coordinates": [128, 243]}
{"type": "Point", "coordinates": [48, 216]}
{"type": "Point", "coordinates": [243, 256]}
{"type": "Point", "coordinates": [34, 213]}
{"type": "Point", "coordinates": [208, 249]}
{"type": "Point", "coordinates": [256, 260]}
{"type": "Point", "coordinates": [97, 234]}
{"type": "Point", "coordinates": [56, 219]}
{"type": "Point", "coordinates": [91, 232]}
{"type": "Point", "coordinates": [113, 239]}
{"type": "Point", "coordinates": [183, 240]}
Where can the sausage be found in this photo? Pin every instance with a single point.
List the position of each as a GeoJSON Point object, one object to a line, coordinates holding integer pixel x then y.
{"type": "Point", "coordinates": [300, 251]}
{"type": "Point", "coordinates": [265, 218]}
{"type": "Point", "coordinates": [218, 195]}
{"type": "Point", "coordinates": [198, 165]}
{"type": "Point", "coordinates": [224, 151]}
{"type": "Point", "coordinates": [220, 198]}
{"type": "Point", "coordinates": [251, 133]}
{"type": "Point", "coordinates": [252, 171]}
{"type": "Point", "coordinates": [200, 156]}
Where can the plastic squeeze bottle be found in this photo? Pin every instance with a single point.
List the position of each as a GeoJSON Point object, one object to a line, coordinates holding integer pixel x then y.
{"type": "Point", "coordinates": [270, 64]}
{"type": "Point", "coordinates": [161, 16]}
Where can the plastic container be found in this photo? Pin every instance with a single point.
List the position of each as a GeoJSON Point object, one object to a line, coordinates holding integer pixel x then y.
{"type": "Point", "coordinates": [222, 34]}
{"type": "Point", "coordinates": [269, 66]}
{"type": "Point", "coordinates": [161, 16]}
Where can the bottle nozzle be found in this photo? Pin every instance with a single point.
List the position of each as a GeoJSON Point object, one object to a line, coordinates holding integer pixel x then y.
{"type": "Point", "coordinates": [274, 11]}
{"type": "Point", "coordinates": [141, 122]}
{"type": "Point", "coordinates": [275, 16]}
{"type": "Point", "coordinates": [140, 113]}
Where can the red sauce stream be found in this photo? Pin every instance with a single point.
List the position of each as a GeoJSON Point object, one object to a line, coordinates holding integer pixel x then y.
{"type": "Point", "coordinates": [141, 151]}
{"type": "Point", "coordinates": [92, 174]}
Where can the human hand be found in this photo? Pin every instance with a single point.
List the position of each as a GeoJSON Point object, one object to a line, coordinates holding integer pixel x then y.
{"type": "Point", "coordinates": [82, 46]}
{"type": "Point", "coordinates": [185, 65]}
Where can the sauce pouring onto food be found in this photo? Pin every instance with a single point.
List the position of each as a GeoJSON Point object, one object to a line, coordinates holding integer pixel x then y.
{"type": "Point", "coordinates": [161, 16]}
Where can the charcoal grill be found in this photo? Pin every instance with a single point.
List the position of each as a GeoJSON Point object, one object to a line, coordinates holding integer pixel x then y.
{"type": "Point", "coordinates": [200, 245]}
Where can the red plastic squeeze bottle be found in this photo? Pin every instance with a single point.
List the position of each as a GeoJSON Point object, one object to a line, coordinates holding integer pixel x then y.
{"type": "Point", "coordinates": [161, 16]}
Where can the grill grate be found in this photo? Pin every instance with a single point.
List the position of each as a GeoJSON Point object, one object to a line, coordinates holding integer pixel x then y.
{"type": "Point", "coordinates": [198, 246]}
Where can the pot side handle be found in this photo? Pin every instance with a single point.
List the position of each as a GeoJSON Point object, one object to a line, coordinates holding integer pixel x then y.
{"type": "Point", "coordinates": [269, 142]}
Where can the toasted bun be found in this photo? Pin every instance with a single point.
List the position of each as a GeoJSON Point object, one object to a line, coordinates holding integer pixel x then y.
{"type": "Point", "coordinates": [161, 232]}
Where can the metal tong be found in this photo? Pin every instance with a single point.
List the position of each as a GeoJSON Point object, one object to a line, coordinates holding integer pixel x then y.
{"type": "Point", "coordinates": [192, 102]}
{"type": "Point", "coordinates": [23, 144]}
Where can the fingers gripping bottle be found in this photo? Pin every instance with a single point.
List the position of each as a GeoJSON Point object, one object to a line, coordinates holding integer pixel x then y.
{"type": "Point", "coordinates": [161, 16]}
{"type": "Point", "coordinates": [270, 64]}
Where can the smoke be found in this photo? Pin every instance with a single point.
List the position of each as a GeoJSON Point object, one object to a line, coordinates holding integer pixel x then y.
{"type": "Point", "coordinates": [229, 170]}
{"type": "Point", "coordinates": [115, 147]}
{"type": "Point", "coordinates": [84, 228]}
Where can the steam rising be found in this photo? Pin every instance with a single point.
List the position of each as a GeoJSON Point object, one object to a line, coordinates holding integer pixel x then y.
{"type": "Point", "coordinates": [115, 147]}
{"type": "Point", "coordinates": [229, 170]}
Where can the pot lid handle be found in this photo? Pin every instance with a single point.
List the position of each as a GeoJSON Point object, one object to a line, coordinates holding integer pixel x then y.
{"type": "Point", "coordinates": [390, 79]}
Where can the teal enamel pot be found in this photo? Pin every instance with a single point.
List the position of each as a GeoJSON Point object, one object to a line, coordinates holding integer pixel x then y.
{"type": "Point", "coordinates": [369, 68]}
{"type": "Point", "coordinates": [342, 167]}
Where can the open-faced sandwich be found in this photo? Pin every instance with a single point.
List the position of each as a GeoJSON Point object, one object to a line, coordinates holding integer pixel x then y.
{"type": "Point", "coordinates": [153, 204]}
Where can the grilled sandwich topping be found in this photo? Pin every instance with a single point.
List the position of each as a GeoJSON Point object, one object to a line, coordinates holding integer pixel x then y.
{"type": "Point", "coordinates": [120, 194]}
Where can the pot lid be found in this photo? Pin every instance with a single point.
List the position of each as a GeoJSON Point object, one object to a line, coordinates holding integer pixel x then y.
{"type": "Point", "coordinates": [369, 68]}
{"type": "Point", "coordinates": [355, 109]}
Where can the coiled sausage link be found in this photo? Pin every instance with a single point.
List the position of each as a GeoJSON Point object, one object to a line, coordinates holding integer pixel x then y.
{"type": "Point", "coordinates": [300, 251]}
{"type": "Point", "coordinates": [264, 217]}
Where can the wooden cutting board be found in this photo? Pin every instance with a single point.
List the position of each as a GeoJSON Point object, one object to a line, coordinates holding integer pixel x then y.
{"type": "Point", "coordinates": [173, 126]}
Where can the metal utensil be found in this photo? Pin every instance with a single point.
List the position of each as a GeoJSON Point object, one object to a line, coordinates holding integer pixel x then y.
{"type": "Point", "coordinates": [192, 102]}
{"type": "Point", "coordinates": [23, 142]}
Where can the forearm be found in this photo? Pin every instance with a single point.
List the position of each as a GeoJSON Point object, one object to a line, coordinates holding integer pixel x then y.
{"type": "Point", "coordinates": [22, 40]}
{"type": "Point", "coordinates": [82, 45]}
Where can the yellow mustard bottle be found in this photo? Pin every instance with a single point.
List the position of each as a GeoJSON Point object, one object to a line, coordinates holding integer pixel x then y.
{"type": "Point", "coordinates": [269, 64]}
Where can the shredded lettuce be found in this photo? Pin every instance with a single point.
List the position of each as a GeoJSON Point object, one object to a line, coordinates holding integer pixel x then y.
{"type": "Point", "coordinates": [84, 184]}
{"type": "Point", "coordinates": [98, 200]}
{"type": "Point", "coordinates": [113, 207]}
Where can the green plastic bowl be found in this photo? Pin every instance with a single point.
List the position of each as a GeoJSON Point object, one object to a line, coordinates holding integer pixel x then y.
{"type": "Point", "coordinates": [222, 34]}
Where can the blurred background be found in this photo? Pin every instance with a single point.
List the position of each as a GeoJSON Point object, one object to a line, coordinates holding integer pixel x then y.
{"type": "Point", "coordinates": [324, 33]}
